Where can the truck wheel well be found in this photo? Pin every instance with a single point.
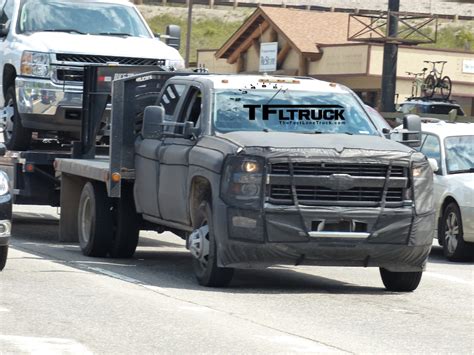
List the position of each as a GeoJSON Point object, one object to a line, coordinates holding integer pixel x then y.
{"type": "Point", "coordinates": [9, 75]}
{"type": "Point", "coordinates": [200, 191]}
{"type": "Point", "coordinates": [446, 202]}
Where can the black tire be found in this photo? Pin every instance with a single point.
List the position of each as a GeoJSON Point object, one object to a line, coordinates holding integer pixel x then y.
{"type": "Point", "coordinates": [446, 87]}
{"type": "Point", "coordinates": [208, 273]}
{"type": "Point", "coordinates": [430, 85]}
{"type": "Point", "coordinates": [16, 137]}
{"type": "Point", "coordinates": [95, 220]}
{"type": "Point", "coordinates": [3, 256]}
{"type": "Point", "coordinates": [127, 226]}
{"type": "Point", "coordinates": [400, 281]}
{"type": "Point", "coordinates": [451, 234]}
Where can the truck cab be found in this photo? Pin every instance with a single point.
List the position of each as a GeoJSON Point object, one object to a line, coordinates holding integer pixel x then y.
{"type": "Point", "coordinates": [44, 46]}
{"type": "Point", "coordinates": [262, 170]}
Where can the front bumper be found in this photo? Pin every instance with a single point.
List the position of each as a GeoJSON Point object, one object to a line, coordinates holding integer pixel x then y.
{"type": "Point", "coordinates": [44, 105]}
{"type": "Point", "coordinates": [467, 215]}
{"type": "Point", "coordinates": [395, 239]}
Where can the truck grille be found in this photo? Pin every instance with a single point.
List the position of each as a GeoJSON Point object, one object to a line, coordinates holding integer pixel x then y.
{"type": "Point", "coordinates": [100, 59]}
{"type": "Point", "coordinates": [315, 193]}
{"type": "Point", "coordinates": [319, 169]}
{"type": "Point", "coordinates": [314, 184]}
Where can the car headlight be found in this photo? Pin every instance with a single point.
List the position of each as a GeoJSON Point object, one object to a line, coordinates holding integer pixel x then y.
{"type": "Point", "coordinates": [4, 186]}
{"type": "Point", "coordinates": [242, 181]}
{"type": "Point", "coordinates": [176, 64]}
{"type": "Point", "coordinates": [422, 179]}
{"type": "Point", "coordinates": [35, 64]}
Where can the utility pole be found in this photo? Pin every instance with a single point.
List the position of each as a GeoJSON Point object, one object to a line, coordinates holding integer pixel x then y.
{"type": "Point", "coordinates": [188, 33]}
{"type": "Point", "coordinates": [390, 56]}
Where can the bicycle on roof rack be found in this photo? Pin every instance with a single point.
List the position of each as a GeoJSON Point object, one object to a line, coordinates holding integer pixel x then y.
{"type": "Point", "coordinates": [435, 80]}
{"type": "Point", "coordinates": [418, 83]}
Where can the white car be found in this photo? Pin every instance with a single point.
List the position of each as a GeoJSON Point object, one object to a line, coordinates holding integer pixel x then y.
{"type": "Point", "coordinates": [452, 146]}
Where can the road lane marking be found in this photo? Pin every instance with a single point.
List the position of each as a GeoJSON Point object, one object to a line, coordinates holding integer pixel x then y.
{"type": "Point", "coordinates": [299, 345]}
{"type": "Point", "coordinates": [448, 278]}
{"type": "Point", "coordinates": [112, 274]}
{"type": "Point", "coordinates": [37, 346]}
{"type": "Point", "coordinates": [2, 309]}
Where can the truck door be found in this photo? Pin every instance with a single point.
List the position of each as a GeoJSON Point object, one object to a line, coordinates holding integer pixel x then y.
{"type": "Point", "coordinates": [147, 156]}
{"type": "Point", "coordinates": [174, 163]}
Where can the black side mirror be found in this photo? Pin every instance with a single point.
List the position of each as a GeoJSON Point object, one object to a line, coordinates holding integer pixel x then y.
{"type": "Point", "coordinates": [173, 36]}
{"type": "Point", "coordinates": [412, 131]}
{"type": "Point", "coordinates": [4, 28]}
{"type": "Point", "coordinates": [152, 127]}
{"type": "Point", "coordinates": [189, 131]}
{"type": "Point", "coordinates": [3, 149]}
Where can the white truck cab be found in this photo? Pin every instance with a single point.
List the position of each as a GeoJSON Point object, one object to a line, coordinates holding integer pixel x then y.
{"type": "Point", "coordinates": [44, 45]}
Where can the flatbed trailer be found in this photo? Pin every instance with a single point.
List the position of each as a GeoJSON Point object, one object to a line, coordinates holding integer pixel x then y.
{"type": "Point", "coordinates": [53, 174]}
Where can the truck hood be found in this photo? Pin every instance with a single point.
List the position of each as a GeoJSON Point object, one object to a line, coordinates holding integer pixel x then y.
{"type": "Point", "coordinates": [136, 47]}
{"type": "Point", "coordinates": [339, 142]}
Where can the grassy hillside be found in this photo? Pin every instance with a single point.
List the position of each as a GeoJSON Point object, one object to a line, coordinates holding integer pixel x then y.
{"type": "Point", "coordinates": [211, 28]}
{"type": "Point", "coordinates": [207, 33]}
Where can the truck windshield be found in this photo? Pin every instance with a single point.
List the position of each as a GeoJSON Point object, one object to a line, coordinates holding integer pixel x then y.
{"type": "Point", "coordinates": [459, 154]}
{"type": "Point", "coordinates": [84, 17]}
{"type": "Point", "coordinates": [290, 111]}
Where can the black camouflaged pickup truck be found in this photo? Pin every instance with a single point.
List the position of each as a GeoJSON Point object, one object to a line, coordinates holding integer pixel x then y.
{"type": "Point", "coordinates": [257, 171]}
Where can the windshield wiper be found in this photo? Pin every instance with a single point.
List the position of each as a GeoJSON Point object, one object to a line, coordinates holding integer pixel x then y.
{"type": "Point", "coordinates": [463, 171]}
{"type": "Point", "coordinates": [118, 34]}
{"type": "Point", "coordinates": [67, 30]}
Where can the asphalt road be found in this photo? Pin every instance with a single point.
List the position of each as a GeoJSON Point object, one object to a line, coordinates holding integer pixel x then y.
{"type": "Point", "coordinates": [54, 300]}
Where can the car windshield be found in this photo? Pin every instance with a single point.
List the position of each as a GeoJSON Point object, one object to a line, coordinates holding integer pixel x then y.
{"type": "Point", "coordinates": [284, 110]}
{"type": "Point", "coordinates": [83, 17]}
{"type": "Point", "coordinates": [459, 154]}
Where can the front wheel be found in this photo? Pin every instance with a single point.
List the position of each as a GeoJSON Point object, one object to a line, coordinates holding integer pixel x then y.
{"type": "Point", "coordinates": [3, 256]}
{"type": "Point", "coordinates": [15, 136]}
{"type": "Point", "coordinates": [400, 281]}
{"type": "Point", "coordinates": [430, 85]}
{"type": "Point", "coordinates": [454, 246]}
{"type": "Point", "coordinates": [446, 87]}
{"type": "Point", "coordinates": [203, 247]}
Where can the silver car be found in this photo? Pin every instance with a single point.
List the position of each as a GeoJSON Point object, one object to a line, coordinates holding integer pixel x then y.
{"type": "Point", "coordinates": [452, 146]}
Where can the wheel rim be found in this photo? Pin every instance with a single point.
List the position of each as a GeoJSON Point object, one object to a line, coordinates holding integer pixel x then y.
{"type": "Point", "coordinates": [7, 124]}
{"type": "Point", "coordinates": [204, 250]}
{"type": "Point", "coordinates": [86, 220]}
{"type": "Point", "coordinates": [451, 232]}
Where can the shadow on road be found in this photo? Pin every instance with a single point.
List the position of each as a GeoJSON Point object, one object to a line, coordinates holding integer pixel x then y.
{"type": "Point", "coordinates": [168, 265]}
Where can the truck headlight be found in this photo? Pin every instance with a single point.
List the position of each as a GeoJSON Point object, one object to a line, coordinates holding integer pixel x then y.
{"type": "Point", "coordinates": [35, 64]}
{"type": "Point", "coordinates": [4, 186]}
{"type": "Point", "coordinates": [242, 181]}
{"type": "Point", "coordinates": [422, 178]}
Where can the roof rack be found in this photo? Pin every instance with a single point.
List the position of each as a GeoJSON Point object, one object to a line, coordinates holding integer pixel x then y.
{"type": "Point", "coordinates": [430, 99]}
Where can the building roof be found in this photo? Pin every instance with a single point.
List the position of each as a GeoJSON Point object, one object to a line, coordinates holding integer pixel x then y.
{"type": "Point", "coordinates": [304, 29]}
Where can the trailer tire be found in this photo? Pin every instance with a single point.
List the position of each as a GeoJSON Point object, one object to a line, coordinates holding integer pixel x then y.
{"type": "Point", "coordinates": [95, 220]}
{"type": "Point", "coordinates": [3, 256]}
{"type": "Point", "coordinates": [400, 281]}
{"type": "Point", "coordinates": [127, 226]}
{"type": "Point", "coordinates": [205, 268]}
